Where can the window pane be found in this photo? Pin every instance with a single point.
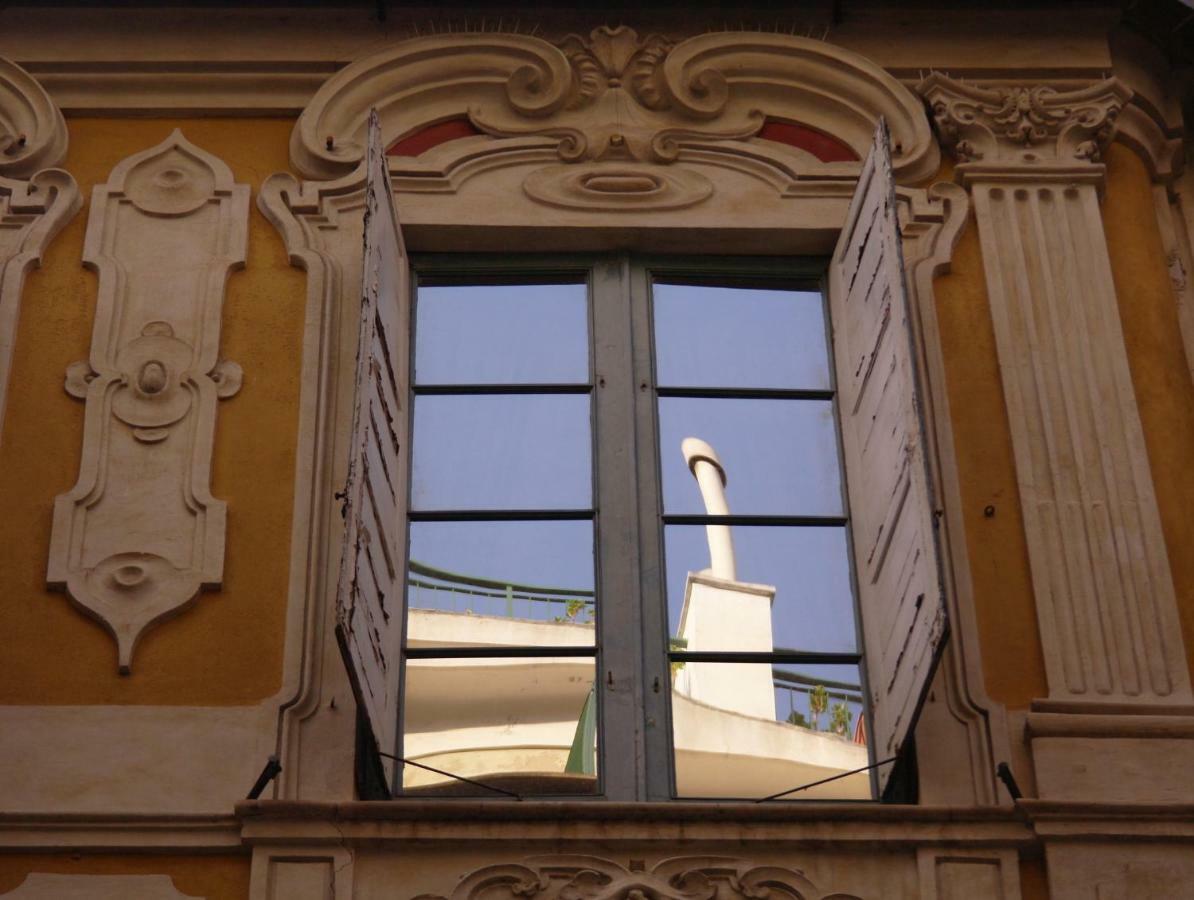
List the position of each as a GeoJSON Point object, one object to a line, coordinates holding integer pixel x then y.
{"type": "Point", "coordinates": [780, 456]}
{"type": "Point", "coordinates": [501, 584]}
{"type": "Point", "coordinates": [502, 334]}
{"type": "Point", "coordinates": [502, 452]}
{"type": "Point", "coordinates": [528, 725]}
{"type": "Point", "coordinates": [750, 730]}
{"type": "Point", "coordinates": [738, 337]}
{"type": "Point", "coordinates": [792, 590]}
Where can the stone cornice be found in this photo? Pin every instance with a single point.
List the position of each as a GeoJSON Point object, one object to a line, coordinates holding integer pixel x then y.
{"type": "Point", "coordinates": [1025, 127]}
{"type": "Point", "coordinates": [32, 130]}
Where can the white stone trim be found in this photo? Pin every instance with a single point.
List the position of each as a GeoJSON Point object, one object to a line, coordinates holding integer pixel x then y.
{"type": "Point", "coordinates": [43, 886]}
{"type": "Point", "coordinates": [32, 130]}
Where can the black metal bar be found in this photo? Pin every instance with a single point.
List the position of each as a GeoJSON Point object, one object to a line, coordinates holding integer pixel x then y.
{"type": "Point", "coordinates": [746, 393]}
{"type": "Point", "coordinates": [271, 771]}
{"type": "Point", "coordinates": [496, 652]}
{"type": "Point", "coordinates": [500, 515]}
{"type": "Point", "coordinates": [480, 784]}
{"type": "Point", "coordinates": [795, 521]}
{"type": "Point", "coordinates": [777, 657]}
{"type": "Point", "coordinates": [805, 787]}
{"type": "Point", "coordinates": [1004, 772]}
{"type": "Point", "coordinates": [433, 390]}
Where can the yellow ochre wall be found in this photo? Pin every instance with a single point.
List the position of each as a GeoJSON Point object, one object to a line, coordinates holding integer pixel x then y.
{"type": "Point", "coordinates": [227, 648]}
{"type": "Point", "coordinates": [211, 877]}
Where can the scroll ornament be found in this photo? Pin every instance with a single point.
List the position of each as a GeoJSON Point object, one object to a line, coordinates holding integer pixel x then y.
{"type": "Point", "coordinates": [593, 878]}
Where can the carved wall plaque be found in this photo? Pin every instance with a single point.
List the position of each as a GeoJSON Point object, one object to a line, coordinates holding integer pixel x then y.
{"type": "Point", "coordinates": [566, 877]}
{"type": "Point", "coordinates": [140, 535]}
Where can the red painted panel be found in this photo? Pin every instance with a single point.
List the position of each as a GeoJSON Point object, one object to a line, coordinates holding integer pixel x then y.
{"type": "Point", "coordinates": [432, 136]}
{"type": "Point", "coordinates": [824, 147]}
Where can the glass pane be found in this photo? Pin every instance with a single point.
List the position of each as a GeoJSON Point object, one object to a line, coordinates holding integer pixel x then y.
{"type": "Point", "coordinates": [505, 451]}
{"type": "Point", "coordinates": [792, 590]}
{"type": "Point", "coordinates": [750, 730]}
{"type": "Point", "coordinates": [528, 725]}
{"type": "Point", "coordinates": [501, 584]}
{"type": "Point", "coordinates": [502, 334]}
{"type": "Point", "coordinates": [738, 337]}
{"type": "Point", "coordinates": [780, 456]}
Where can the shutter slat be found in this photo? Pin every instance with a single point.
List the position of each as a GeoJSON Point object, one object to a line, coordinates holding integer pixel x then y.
{"type": "Point", "coordinates": [900, 598]}
{"type": "Point", "coordinates": [373, 562]}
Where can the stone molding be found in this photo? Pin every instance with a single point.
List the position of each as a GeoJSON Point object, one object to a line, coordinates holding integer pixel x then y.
{"type": "Point", "coordinates": [140, 535]}
{"type": "Point", "coordinates": [32, 130]}
{"type": "Point", "coordinates": [931, 223]}
{"type": "Point", "coordinates": [566, 877]}
{"type": "Point", "coordinates": [31, 213]}
{"type": "Point", "coordinates": [42, 886]}
{"type": "Point", "coordinates": [1014, 128]}
{"type": "Point", "coordinates": [612, 96]}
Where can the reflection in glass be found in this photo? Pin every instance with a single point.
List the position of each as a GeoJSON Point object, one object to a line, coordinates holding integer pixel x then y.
{"type": "Point", "coordinates": [780, 456]}
{"type": "Point", "coordinates": [501, 584]}
{"type": "Point", "coordinates": [525, 724]}
{"type": "Point", "coordinates": [792, 590]}
{"type": "Point", "coordinates": [502, 452]}
{"type": "Point", "coordinates": [502, 334]}
{"type": "Point", "coordinates": [708, 336]}
{"type": "Point", "coordinates": [749, 730]}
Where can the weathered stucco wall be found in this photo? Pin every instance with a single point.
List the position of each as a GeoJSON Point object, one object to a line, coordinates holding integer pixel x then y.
{"type": "Point", "coordinates": [227, 649]}
{"type": "Point", "coordinates": [210, 877]}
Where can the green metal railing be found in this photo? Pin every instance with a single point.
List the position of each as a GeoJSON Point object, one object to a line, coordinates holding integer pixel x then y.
{"type": "Point", "coordinates": [440, 589]}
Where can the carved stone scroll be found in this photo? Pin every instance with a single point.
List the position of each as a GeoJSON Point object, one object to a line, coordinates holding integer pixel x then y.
{"type": "Point", "coordinates": [32, 135]}
{"type": "Point", "coordinates": [1104, 592]}
{"type": "Point", "coordinates": [140, 534]}
{"type": "Point", "coordinates": [614, 100]}
{"type": "Point", "coordinates": [32, 130]}
{"type": "Point", "coordinates": [567, 877]}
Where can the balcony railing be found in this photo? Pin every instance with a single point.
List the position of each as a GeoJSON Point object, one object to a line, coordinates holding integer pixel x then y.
{"type": "Point", "coordinates": [440, 589]}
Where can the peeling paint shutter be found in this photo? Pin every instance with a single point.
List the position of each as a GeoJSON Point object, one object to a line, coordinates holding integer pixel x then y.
{"type": "Point", "coordinates": [901, 602]}
{"type": "Point", "coordinates": [373, 563]}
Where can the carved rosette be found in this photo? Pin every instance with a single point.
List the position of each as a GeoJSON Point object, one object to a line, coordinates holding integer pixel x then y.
{"type": "Point", "coordinates": [1024, 125]}
{"type": "Point", "coordinates": [140, 535]}
{"type": "Point", "coordinates": [594, 878]}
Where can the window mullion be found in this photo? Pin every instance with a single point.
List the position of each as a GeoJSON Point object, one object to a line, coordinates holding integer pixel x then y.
{"type": "Point", "coordinates": [620, 674]}
{"type": "Point", "coordinates": [653, 612]}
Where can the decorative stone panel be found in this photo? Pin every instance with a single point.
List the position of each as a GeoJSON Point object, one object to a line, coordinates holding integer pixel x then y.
{"type": "Point", "coordinates": [140, 535]}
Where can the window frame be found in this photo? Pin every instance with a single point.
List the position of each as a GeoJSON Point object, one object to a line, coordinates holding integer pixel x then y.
{"type": "Point", "coordinates": [635, 743]}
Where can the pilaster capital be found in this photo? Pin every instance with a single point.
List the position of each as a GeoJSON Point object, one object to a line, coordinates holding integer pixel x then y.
{"type": "Point", "coordinates": [1020, 129]}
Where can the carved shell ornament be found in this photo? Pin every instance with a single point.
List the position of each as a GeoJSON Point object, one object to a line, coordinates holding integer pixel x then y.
{"type": "Point", "coordinates": [566, 877]}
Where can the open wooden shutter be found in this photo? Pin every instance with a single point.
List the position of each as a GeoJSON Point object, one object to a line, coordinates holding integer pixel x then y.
{"type": "Point", "coordinates": [373, 560]}
{"type": "Point", "coordinates": [901, 601]}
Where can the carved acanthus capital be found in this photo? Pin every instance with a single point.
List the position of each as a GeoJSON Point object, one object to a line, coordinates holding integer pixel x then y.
{"type": "Point", "coordinates": [1022, 125]}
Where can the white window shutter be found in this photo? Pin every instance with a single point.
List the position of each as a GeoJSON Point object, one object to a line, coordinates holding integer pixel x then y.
{"type": "Point", "coordinates": [373, 558]}
{"type": "Point", "coordinates": [901, 601]}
